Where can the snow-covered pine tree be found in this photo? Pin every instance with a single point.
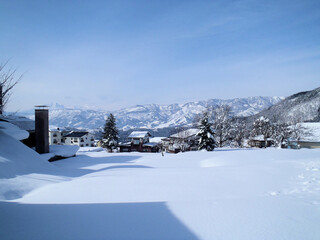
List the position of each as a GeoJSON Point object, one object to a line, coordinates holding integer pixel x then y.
{"type": "Point", "coordinates": [110, 133]}
{"type": "Point", "coordinates": [206, 134]}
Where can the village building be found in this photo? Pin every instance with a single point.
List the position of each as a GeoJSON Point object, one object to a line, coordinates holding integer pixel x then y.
{"type": "Point", "coordinates": [186, 140]}
{"type": "Point", "coordinates": [139, 141]}
{"type": "Point", "coordinates": [258, 141]}
{"type": "Point", "coordinates": [81, 139]}
{"type": "Point", "coordinates": [56, 136]}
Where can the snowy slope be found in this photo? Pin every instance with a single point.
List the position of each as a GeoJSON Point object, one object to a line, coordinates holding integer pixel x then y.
{"type": "Point", "coordinates": [299, 107]}
{"type": "Point", "coordinates": [22, 169]}
{"type": "Point", "coordinates": [153, 115]}
{"type": "Point", "coordinates": [226, 194]}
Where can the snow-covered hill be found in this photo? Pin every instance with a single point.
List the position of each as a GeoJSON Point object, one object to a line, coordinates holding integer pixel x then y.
{"type": "Point", "coordinates": [299, 107]}
{"type": "Point", "coordinates": [153, 116]}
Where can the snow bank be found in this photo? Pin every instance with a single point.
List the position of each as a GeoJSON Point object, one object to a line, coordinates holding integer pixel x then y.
{"type": "Point", "coordinates": [13, 131]}
{"type": "Point", "coordinates": [21, 168]}
{"type": "Point", "coordinates": [90, 149]}
{"type": "Point", "coordinates": [64, 150]}
{"type": "Point", "coordinates": [225, 194]}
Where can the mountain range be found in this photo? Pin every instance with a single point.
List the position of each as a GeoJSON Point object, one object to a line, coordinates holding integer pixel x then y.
{"type": "Point", "coordinates": [152, 116]}
{"type": "Point", "coordinates": [299, 107]}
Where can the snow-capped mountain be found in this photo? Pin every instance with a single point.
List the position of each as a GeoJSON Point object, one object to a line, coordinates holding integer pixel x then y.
{"type": "Point", "coordinates": [152, 116]}
{"type": "Point", "coordinates": [299, 107]}
{"type": "Point", "coordinates": [163, 116]}
{"type": "Point", "coordinates": [156, 116]}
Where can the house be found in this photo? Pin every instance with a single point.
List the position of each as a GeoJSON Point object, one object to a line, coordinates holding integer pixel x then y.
{"type": "Point", "coordinates": [56, 135]}
{"type": "Point", "coordinates": [258, 141]}
{"type": "Point", "coordinates": [186, 140]}
{"type": "Point", "coordinates": [81, 139]}
{"type": "Point", "coordinates": [311, 135]}
{"type": "Point", "coordinates": [139, 141]}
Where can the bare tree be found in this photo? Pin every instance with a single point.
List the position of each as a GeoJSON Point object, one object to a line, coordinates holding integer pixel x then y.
{"type": "Point", "coordinates": [281, 132]}
{"type": "Point", "coordinates": [263, 126]}
{"type": "Point", "coordinates": [8, 79]}
{"type": "Point", "coordinates": [180, 138]}
{"type": "Point", "coordinates": [238, 131]}
{"type": "Point", "coordinates": [222, 124]}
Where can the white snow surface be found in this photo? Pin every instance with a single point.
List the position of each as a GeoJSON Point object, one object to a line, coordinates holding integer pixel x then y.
{"type": "Point", "coordinates": [312, 132]}
{"type": "Point", "coordinates": [20, 121]}
{"type": "Point", "coordinates": [13, 130]}
{"type": "Point", "coordinates": [238, 194]}
{"type": "Point", "coordinates": [138, 134]}
{"type": "Point", "coordinates": [22, 169]}
{"type": "Point", "coordinates": [156, 139]}
{"type": "Point", "coordinates": [64, 150]}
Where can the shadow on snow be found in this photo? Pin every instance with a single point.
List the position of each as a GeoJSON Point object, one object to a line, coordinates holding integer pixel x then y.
{"type": "Point", "coordinates": [91, 221]}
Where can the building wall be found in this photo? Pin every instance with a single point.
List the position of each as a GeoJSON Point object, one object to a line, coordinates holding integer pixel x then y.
{"type": "Point", "coordinates": [55, 137]}
{"type": "Point", "coordinates": [309, 144]}
{"type": "Point", "coordinates": [84, 141]}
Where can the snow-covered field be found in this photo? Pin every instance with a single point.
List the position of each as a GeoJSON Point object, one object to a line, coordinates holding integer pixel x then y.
{"type": "Point", "coordinates": [225, 194]}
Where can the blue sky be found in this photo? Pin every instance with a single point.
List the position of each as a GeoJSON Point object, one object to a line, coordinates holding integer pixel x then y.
{"type": "Point", "coordinates": [114, 54]}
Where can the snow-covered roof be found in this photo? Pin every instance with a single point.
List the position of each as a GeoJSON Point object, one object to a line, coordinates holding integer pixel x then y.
{"type": "Point", "coordinates": [13, 131]}
{"type": "Point", "coordinates": [186, 133]}
{"type": "Point", "coordinates": [127, 144]}
{"type": "Point", "coordinates": [76, 134]}
{"type": "Point", "coordinates": [64, 150]}
{"type": "Point", "coordinates": [156, 139]}
{"type": "Point", "coordinates": [311, 132]}
{"type": "Point", "coordinates": [139, 134]}
{"type": "Point", "coordinates": [22, 122]}
{"type": "Point", "coordinates": [56, 129]}
{"type": "Point", "coordinates": [261, 138]}
{"type": "Point", "coordinates": [150, 144]}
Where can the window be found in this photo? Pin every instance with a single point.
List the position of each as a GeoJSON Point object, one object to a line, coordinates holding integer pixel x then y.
{"type": "Point", "coordinates": [81, 145]}
{"type": "Point", "coordinates": [76, 140]}
{"type": "Point", "coordinates": [136, 142]}
{"type": "Point", "coordinates": [55, 141]}
{"type": "Point", "coordinates": [54, 135]}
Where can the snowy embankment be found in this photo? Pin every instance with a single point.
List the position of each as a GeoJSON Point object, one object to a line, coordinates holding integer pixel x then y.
{"type": "Point", "coordinates": [225, 194]}
{"type": "Point", "coordinates": [60, 152]}
{"type": "Point", "coordinates": [21, 168]}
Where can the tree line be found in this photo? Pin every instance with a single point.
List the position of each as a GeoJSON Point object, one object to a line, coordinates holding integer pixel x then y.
{"type": "Point", "coordinates": [230, 131]}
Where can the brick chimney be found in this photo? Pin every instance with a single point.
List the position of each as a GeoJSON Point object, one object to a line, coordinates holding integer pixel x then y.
{"type": "Point", "coordinates": [42, 129]}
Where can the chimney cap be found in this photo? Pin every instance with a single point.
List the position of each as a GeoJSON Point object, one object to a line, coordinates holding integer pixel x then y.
{"type": "Point", "coordinates": [41, 106]}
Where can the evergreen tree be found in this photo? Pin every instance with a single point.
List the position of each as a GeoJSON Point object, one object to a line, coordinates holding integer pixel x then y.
{"type": "Point", "coordinates": [206, 134]}
{"type": "Point", "coordinates": [110, 134]}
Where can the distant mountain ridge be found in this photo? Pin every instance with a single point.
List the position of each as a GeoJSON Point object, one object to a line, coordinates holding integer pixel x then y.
{"type": "Point", "coordinates": [299, 107]}
{"type": "Point", "coordinates": [152, 116]}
